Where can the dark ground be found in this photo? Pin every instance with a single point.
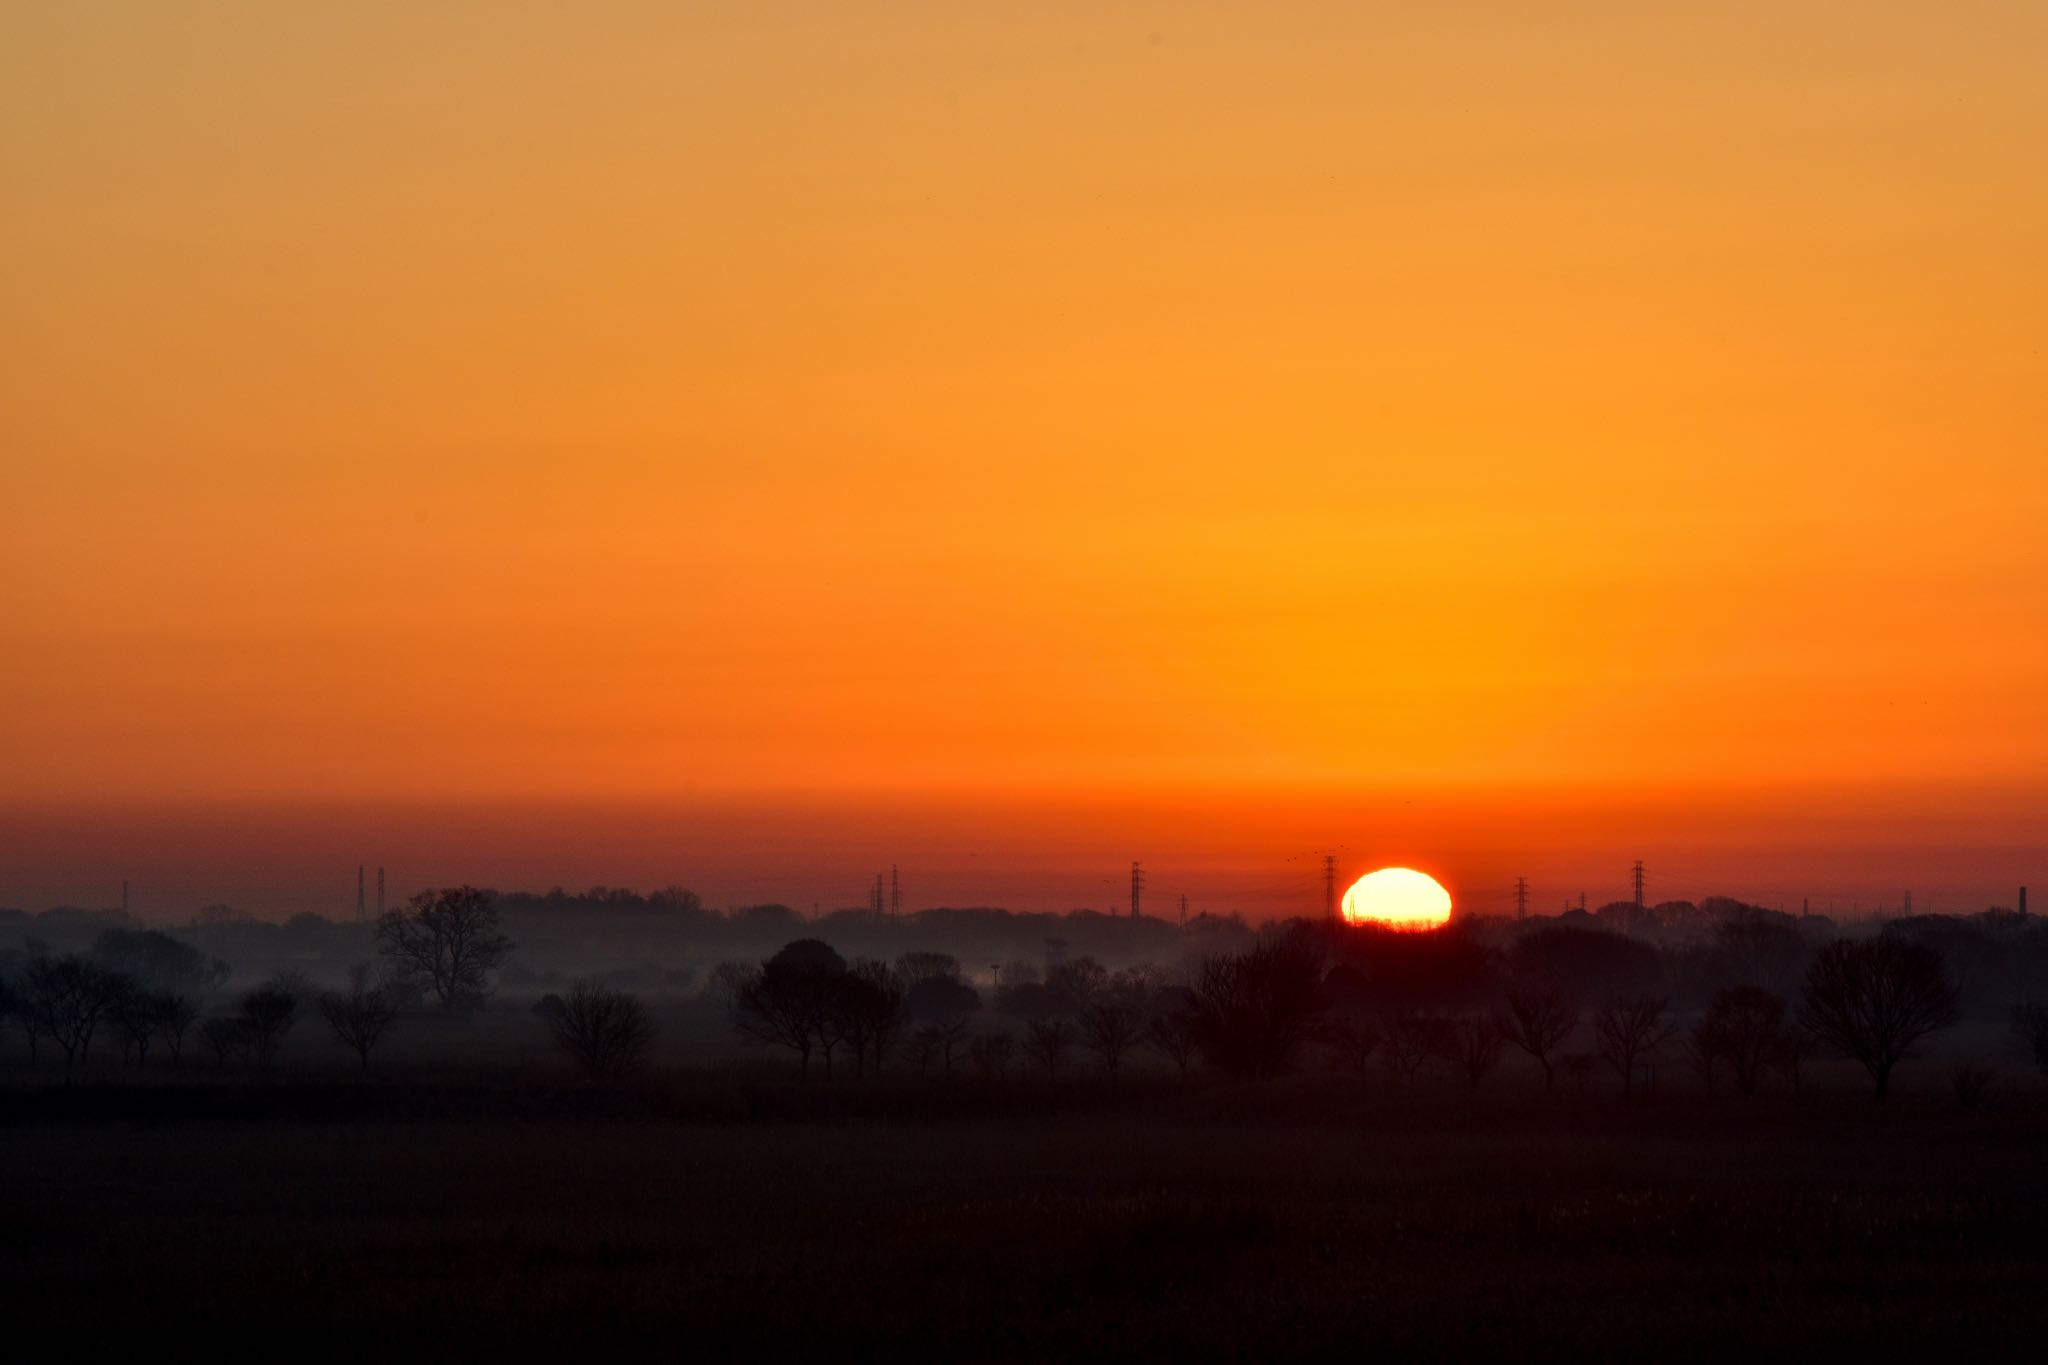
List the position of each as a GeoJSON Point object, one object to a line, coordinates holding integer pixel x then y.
{"type": "Point", "coordinates": [1297, 1221]}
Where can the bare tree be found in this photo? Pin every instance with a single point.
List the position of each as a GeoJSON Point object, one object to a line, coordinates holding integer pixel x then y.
{"type": "Point", "coordinates": [140, 1014]}
{"type": "Point", "coordinates": [1409, 1039]}
{"type": "Point", "coordinates": [1872, 1001]}
{"type": "Point", "coordinates": [1046, 1041]}
{"type": "Point", "coordinates": [1255, 1010]}
{"type": "Point", "coordinates": [1173, 1034]}
{"type": "Point", "coordinates": [448, 941]}
{"type": "Point", "coordinates": [66, 998]}
{"type": "Point", "coordinates": [921, 1047]}
{"type": "Point", "coordinates": [268, 1014]}
{"type": "Point", "coordinates": [361, 1016]}
{"type": "Point", "coordinates": [943, 1004]}
{"type": "Point", "coordinates": [607, 1031]}
{"type": "Point", "coordinates": [991, 1053]}
{"type": "Point", "coordinates": [173, 1020]}
{"type": "Point", "coordinates": [1111, 1027]}
{"type": "Point", "coordinates": [867, 1012]}
{"type": "Point", "coordinates": [1539, 1022]}
{"type": "Point", "coordinates": [1352, 1041]}
{"type": "Point", "coordinates": [1744, 1027]}
{"type": "Point", "coordinates": [228, 1037]}
{"type": "Point", "coordinates": [1627, 1031]}
{"type": "Point", "coordinates": [1472, 1043]}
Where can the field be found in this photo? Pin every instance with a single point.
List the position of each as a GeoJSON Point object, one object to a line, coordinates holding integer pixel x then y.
{"type": "Point", "coordinates": [1291, 1221]}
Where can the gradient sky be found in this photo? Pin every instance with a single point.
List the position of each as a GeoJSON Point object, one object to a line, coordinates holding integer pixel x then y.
{"type": "Point", "coordinates": [1264, 413]}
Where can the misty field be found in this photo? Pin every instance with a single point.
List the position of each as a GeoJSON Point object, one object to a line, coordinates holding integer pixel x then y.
{"type": "Point", "coordinates": [1246, 1222]}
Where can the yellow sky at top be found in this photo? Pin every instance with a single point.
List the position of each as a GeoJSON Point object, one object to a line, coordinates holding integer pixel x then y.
{"type": "Point", "coordinates": [414, 399]}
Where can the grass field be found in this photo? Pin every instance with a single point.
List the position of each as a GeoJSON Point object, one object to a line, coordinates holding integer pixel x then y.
{"type": "Point", "coordinates": [1221, 1222]}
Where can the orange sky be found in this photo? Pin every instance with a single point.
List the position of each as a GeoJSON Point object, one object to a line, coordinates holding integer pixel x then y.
{"type": "Point", "coordinates": [403, 402]}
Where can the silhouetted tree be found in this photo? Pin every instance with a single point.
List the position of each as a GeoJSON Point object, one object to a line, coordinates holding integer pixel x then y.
{"type": "Point", "coordinates": [1626, 1031]}
{"type": "Point", "coordinates": [1046, 1041]}
{"type": "Point", "coordinates": [1538, 1022]}
{"type": "Point", "coordinates": [175, 1016]}
{"type": "Point", "coordinates": [159, 962]}
{"type": "Point", "coordinates": [991, 1053]}
{"type": "Point", "coordinates": [607, 1031]}
{"type": "Point", "coordinates": [2030, 1031]}
{"type": "Point", "coordinates": [940, 1000]}
{"type": "Point", "coordinates": [1254, 1010]}
{"type": "Point", "coordinates": [868, 1012]}
{"type": "Point", "coordinates": [268, 1014]}
{"type": "Point", "coordinates": [1472, 1043]}
{"type": "Point", "coordinates": [140, 1014]}
{"type": "Point", "coordinates": [66, 998]}
{"type": "Point", "coordinates": [360, 1016]}
{"type": "Point", "coordinates": [1756, 949]}
{"type": "Point", "coordinates": [1352, 1040]}
{"type": "Point", "coordinates": [790, 1001]}
{"type": "Point", "coordinates": [1172, 1032]}
{"type": "Point", "coordinates": [1582, 964]}
{"type": "Point", "coordinates": [229, 1038]}
{"type": "Point", "coordinates": [1873, 1000]}
{"type": "Point", "coordinates": [1968, 1081]}
{"type": "Point", "coordinates": [12, 1006]}
{"type": "Point", "coordinates": [448, 941]}
{"type": "Point", "coordinates": [921, 1047]}
{"type": "Point", "coordinates": [1745, 1028]}
{"type": "Point", "coordinates": [1111, 1026]}
{"type": "Point", "coordinates": [1409, 1039]}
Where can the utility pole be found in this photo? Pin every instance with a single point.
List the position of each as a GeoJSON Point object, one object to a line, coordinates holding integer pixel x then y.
{"type": "Point", "coordinates": [1637, 874]}
{"type": "Point", "coordinates": [1329, 886]}
{"type": "Point", "coordinates": [359, 893]}
{"type": "Point", "coordinates": [1521, 898]}
{"type": "Point", "coordinates": [895, 892]}
{"type": "Point", "coordinates": [1137, 888]}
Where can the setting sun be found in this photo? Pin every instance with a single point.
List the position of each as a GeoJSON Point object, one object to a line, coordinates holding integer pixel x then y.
{"type": "Point", "coordinates": [1398, 897]}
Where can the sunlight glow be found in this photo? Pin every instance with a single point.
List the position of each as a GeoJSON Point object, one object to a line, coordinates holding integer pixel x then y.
{"type": "Point", "coordinates": [1399, 897]}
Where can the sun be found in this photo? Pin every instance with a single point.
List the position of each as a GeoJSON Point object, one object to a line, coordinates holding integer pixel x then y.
{"type": "Point", "coordinates": [1398, 897]}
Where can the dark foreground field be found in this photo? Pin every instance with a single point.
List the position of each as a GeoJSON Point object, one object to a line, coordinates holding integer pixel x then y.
{"type": "Point", "coordinates": [1225, 1223]}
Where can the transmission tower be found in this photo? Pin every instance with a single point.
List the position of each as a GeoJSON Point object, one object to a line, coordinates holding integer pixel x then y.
{"type": "Point", "coordinates": [875, 895]}
{"type": "Point", "coordinates": [1637, 874]}
{"type": "Point", "coordinates": [895, 892]}
{"type": "Point", "coordinates": [1137, 889]}
{"type": "Point", "coordinates": [1329, 886]}
{"type": "Point", "coordinates": [1521, 898]}
{"type": "Point", "coordinates": [1184, 908]}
